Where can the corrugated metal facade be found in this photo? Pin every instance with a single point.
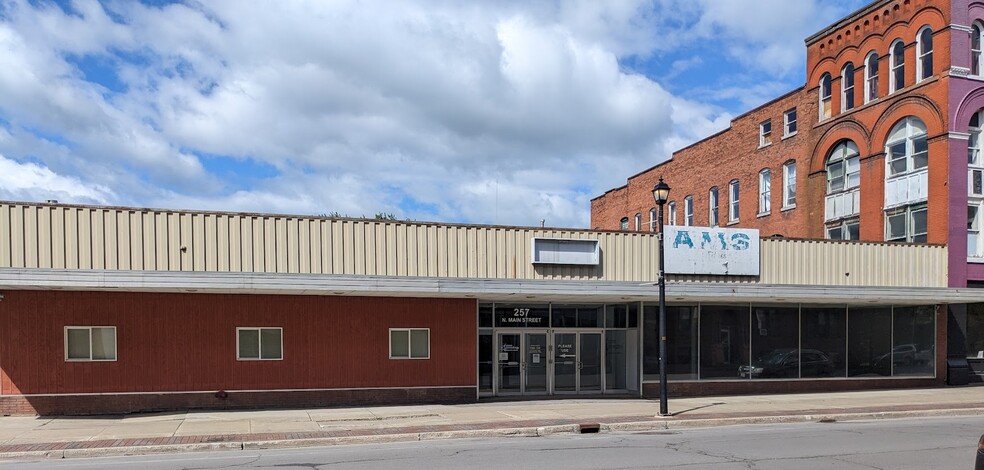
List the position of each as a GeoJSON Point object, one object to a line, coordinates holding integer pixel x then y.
{"type": "Point", "coordinates": [72, 237]}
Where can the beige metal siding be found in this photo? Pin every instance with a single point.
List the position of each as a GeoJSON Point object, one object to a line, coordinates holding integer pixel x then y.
{"type": "Point", "coordinates": [46, 236]}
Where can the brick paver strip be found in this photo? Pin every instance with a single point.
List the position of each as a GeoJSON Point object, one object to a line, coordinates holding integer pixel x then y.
{"type": "Point", "coordinates": [278, 436]}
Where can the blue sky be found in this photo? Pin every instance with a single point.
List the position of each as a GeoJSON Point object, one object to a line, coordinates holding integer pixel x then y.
{"type": "Point", "coordinates": [499, 112]}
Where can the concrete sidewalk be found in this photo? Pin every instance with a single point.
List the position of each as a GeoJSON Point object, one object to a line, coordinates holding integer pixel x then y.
{"type": "Point", "coordinates": [28, 437]}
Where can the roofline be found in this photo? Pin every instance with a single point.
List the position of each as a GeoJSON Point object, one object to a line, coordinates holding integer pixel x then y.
{"type": "Point", "coordinates": [843, 21]}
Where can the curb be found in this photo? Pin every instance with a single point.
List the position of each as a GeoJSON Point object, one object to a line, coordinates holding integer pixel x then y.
{"type": "Point", "coordinates": [665, 425]}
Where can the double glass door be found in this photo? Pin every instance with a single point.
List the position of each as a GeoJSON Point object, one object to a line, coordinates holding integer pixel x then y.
{"type": "Point", "coordinates": [543, 363]}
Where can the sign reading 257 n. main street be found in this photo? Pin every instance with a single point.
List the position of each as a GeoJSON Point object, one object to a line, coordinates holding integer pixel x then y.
{"type": "Point", "coordinates": [711, 250]}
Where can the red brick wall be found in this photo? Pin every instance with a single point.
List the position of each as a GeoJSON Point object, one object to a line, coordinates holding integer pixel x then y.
{"type": "Point", "coordinates": [734, 153]}
{"type": "Point", "coordinates": [187, 342]}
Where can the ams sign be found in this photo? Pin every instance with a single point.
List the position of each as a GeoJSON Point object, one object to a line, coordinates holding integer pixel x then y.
{"type": "Point", "coordinates": [711, 250]}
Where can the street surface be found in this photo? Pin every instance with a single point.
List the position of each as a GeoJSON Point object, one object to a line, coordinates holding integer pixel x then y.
{"type": "Point", "coordinates": [918, 443]}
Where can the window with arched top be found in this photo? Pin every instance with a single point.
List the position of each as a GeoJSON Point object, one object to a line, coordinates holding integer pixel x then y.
{"type": "Point", "coordinates": [688, 210]}
{"type": "Point", "coordinates": [789, 185]}
{"type": "Point", "coordinates": [765, 191]}
{"type": "Point", "coordinates": [897, 56]}
{"type": "Point", "coordinates": [906, 181]}
{"type": "Point", "coordinates": [623, 224]}
{"type": "Point", "coordinates": [976, 39]}
{"type": "Point", "coordinates": [975, 187]}
{"type": "Point", "coordinates": [843, 201]}
{"type": "Point", "coordinates": [652, 219]}
{"type": "Point", "coordinates": [671, 208]}
{"type": "Point", "coordinates": [924, 54]}
{"type": "Point", "coordinates": [712, 207]}
{"type": "Point", "coordinates": [734, 192]}
{"type": "Point", "coordinates": [824, 90]}
{"type": "Point", "coordinates": [847, 87]}
{"type": "Point", "coordinates": [871, 77]}
{"type": "Point", "coordinates": [638, 221]}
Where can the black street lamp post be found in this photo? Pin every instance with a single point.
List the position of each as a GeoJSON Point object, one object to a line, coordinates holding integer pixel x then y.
{"type": "Point", "coordinates": [661, 192]}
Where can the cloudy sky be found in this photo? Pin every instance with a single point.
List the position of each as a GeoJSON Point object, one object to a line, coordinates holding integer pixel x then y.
{"type": "Point", "coordinates": [498, 111]}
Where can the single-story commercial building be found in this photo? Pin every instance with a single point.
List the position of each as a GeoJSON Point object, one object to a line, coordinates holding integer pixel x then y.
{"type": "Point", "coordinates": [113, 309]}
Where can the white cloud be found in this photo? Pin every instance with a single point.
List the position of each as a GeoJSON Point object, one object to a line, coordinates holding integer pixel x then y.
{"type": "Point", "coordinates": [415, 108]}
{"type": "Point", "coordinates": [33, 182]}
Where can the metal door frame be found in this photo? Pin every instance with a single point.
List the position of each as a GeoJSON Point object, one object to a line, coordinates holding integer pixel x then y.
{"type": "Point", "coordinates": [523, 352]}
{"type": "Point", "coordinates": [577, 332]}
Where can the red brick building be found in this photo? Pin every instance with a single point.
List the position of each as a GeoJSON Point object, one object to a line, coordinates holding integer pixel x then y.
{"type": "Point", "coordinates": [873, 147]}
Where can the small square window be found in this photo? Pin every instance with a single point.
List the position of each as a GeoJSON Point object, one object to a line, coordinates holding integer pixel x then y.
{"type": "Point", "coordinates": [409, 343]}
{"type": "Point", "coordinates": [765, 133]}
{"type": "Point", "coordinates": [90, 343]}
{"type": "Point", "coordinates": [259, 344]}
{"type": "Point", "coordinates": [789, 123]}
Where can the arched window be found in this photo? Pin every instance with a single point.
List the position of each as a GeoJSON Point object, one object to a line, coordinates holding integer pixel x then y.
{"type": "Point", "coordinates": [843, 202]}
{"type": "Point", "coordinates": [734, 192]}
{"type": "Point", "coordinates": [765, 191]}
{"type": "Point", "coordinates": [906, 182]}
{"type": "Point", "coordinates": [906, 150]}
{"type": "Point", "coordinates": [825, 110]}
{"type": "Point", "coordinates": [924, 54]}
{"type": "Point", "coordinates": [975, 188]}
{"type": "Point", "coordinates": [871, 77]}
{"type": "Point", "coordinates": [688, 210]}
{"type": "Point", "coordinates": [623, 224]}
{"type": "Point", "coordinates": [652, 219]}
{"type": "Point", "coordinates": [789, 184]}
{"type": "Point", "coordinates": [638, 221]}
{"type": "Point", "coordinates": [847, 87]}
{"type": "Point", "coordinates": [712, 207]}
{"type": "Point", "coordinates": [975, 48]}
{"type": "Point", "coordinates": [897, 81]}
{"type": "Point", "coordinates": [671, 208]}
{"type": "Point", "coordinates": [843, 168]}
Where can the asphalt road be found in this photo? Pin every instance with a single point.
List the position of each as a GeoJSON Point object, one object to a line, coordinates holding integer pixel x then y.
{"type": "Point", "coordinates": [919, 443]}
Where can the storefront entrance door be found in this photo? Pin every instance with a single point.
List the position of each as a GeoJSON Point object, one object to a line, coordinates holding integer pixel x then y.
{"type": "Point", "coordinates": [577, 362]}
{"type": "Point", "coordinates": [522, 363]}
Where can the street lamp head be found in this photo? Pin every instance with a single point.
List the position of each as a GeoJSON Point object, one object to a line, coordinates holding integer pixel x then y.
{"type": "Point", "coordinates": [661, 192]}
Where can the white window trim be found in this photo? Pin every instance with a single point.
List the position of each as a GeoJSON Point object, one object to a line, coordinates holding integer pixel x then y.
{"type": "Point", "coordinates": [652, 219]}
{"type": "Point", "coordinates": [638, 221]}
{"type": "Point", "coordinates": [672, 219]}
{"type": "Point", "coordinates": [260, 345]}
{"type": "Point", "coordinates": [389, 340]}
{"type": "Point", "coordinates": [869, 94]}
{"type": "Point", "coordinates": [765, 137]}
{"type": "Point", "coordinates": [842, 224]}
{"type": "Point", "coordinates": [786, 185]}
{"type": "Point", "coordinates": [116, 344]}
{"type": "Point", "coordinates": [910, 151]}
{"type": "Point", "coordinates": [688, 211]}
{"type": "Point", "coordinates": [908, 210]}
{"type": "Point", "coordinates": [713, 212]}
{"type": "Point", "coordinates": [786, 122]}
{"type": "Point", "coordinates": [765, 199]}
{"type": "Point", "coordinates": [847, 179]}
{"type": "Point", "coordinates": [977, 53]}
{"type": "Point", "coordinates": [892, 66]}
{"type": "Point", "coordinates": [845, 89]}
{"type": "Point", "coordinates": [921, 54]}
{"type": "Point", "coordinates": [979, 203]}
{"type": "Point", "coordinates": [734, 207]}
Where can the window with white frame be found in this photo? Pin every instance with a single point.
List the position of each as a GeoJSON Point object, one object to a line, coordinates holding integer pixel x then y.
{"type": "Point", "coordinates": [688, 211]}
{"type": "Point", "coordinates": [90, 343]}
{"type": "Point", "coordinates": [259, 344]}
{"type": "Point", "coordinates": [825, 106]}
{"type": "Point", "coordinates": [871, 77]}
{"type": "Point", "coordinates": [789, 185]}
{"type": "Point", "coordinates": [906, 224]}
{"type": "Point", "coordinates": [897, 81]}
{"type": "Point", "coordinates": [652, 219]}
{"type": "Point", "coordinates": [907, 150]}
{"type": "Point", "coordinates": [924, 54]}
{"type": "Point", "coordinates": [671, 208]}
{"type": "Point", "coordinates": [765, 133]}
{"type": "Point", "coordinates": [975, 187]}
{"type": "Point", "coordinates": [847, 87]}
{"type": "Point", "coordinates": [409, 343]}
{"type": "Point", "coordinates": [712, 207]}
{"type": "Point", "coordinates": [765, 191]}
{"type": "Point", "coordinates": [638, 221]}
{"type": "Point", "coordinates": [843, 168]}
{"type": "Point", "coordinates": [733, 193]}
{"type": "Point", "coordinates": [976, 38]}
{"type": "Point", "coordinates": [974, 249]}
{"type": "Point", "coordinates": [847, 229]}
{"type": "Point", "coordinates": [789, 123]}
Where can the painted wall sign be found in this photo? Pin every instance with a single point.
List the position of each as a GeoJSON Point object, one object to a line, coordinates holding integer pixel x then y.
{"type": "Point", "coordinates": [711, 250]}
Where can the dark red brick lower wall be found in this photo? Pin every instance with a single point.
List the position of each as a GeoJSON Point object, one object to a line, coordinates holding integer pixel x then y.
{"type": "Point", "coordinates": [750, 387]}
{"type": "Point", "coordinates": [68, 405]}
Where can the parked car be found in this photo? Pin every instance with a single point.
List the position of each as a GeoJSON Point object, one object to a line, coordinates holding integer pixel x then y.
{"type": "Point", "coordinates": [787, 362]}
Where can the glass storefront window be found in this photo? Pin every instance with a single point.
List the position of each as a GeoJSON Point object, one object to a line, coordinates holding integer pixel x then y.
{"type": "Point", "coordinates": [975, 331]}
{"type": "Point", "coordinates": [869, 344]}
{"type": "Point", "coordinates": [681, 343]}
{"type": "Point", "coordinates": [485, 361]}
{"type": "Point", "coordinates": [485, 316]}
{"type": "Point", "coordinates": [823, 336]}
{"type": "Point", "coordinates": [775, 344]}
{"type": "Point", "coordinates": [615, 349]}
{"type": "Point", "coordinates": [616, 316]}
{"type": "Point", "coordinates": [914, 341]}
{"type": "Point", "coordinates": [724, 334]}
